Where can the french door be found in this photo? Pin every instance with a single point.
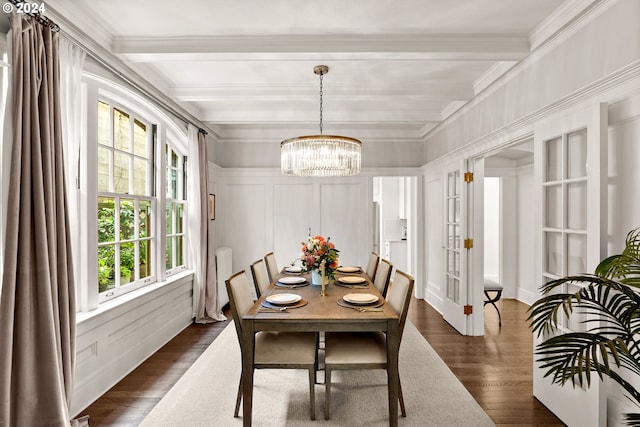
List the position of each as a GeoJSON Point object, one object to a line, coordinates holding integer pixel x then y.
{"type": "Point", "coordinates": [570, 165]}
{"type": "Point", "coordinates": [455, 295]}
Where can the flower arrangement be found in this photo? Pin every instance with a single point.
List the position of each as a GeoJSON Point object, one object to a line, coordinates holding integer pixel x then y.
{"type": "Point", "coordinates": [317, 249]}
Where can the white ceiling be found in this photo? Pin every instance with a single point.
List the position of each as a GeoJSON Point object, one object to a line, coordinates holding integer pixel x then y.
{"type": "Point", "coordinates": [245, 67]}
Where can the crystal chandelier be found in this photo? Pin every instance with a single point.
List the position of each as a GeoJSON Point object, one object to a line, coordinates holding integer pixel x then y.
{"type": "Point", "coordinates": [320, 155]}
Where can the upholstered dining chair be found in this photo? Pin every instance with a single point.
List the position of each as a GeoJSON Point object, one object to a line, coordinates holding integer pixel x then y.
{"type": "Point", "coordinates": [260, 277]}
{"type": "Point", "coordinates": [366, 350]}
{"type": "Point", "coordinates": [372, 265]}
{"type": "Point", "coordinates": [383, 275]}
{"type": "Point", "coordinates": [272, 265]}
{"type": "Point", "coordinates": [273, 350]}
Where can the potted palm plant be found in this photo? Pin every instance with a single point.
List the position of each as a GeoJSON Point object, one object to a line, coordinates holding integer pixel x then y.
{"type": "Point", "coordinates": [610, 346]}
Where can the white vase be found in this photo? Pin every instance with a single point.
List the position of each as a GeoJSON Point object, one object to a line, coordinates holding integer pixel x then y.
{"type": "Point", "coordinates": [316, 277]}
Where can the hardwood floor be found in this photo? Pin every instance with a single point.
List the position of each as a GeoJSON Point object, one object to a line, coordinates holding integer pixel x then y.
{"type": "Point", "coordinates": [495, 368]}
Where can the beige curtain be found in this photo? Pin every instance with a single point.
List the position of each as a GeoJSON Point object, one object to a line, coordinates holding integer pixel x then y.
{"type": "Point", "coordinates": [37, 306]}
{"type": "Point", "coordinates": [208, 310]}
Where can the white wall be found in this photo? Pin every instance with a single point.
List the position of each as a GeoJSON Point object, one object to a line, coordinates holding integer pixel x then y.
{"type": "Point", "coordinates": [434, 253]}
{"type": "Point", "coordinates": [624, 209]}
{"type": "Point", "coordinates": [492, 205]}
{"type": "Point", "coordinates": [527, 290]}
{"type": "Point", "coordinates": [263, 211]}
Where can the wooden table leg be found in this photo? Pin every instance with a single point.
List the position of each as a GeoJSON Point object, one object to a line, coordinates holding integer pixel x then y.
{"type": "Point", "coordinates": [393, 346]}
{"type": "Point", "coordinates": [248, 344]}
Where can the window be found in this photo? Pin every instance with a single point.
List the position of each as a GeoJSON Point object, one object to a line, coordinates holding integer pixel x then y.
{"type": "Point", "coordinates": [126, 240]}
{"type": "Point", "coordinates": [175, 205]}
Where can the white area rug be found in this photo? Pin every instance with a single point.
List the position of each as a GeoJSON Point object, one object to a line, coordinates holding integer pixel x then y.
{"type": "Point", "coordinates": [205, 395]}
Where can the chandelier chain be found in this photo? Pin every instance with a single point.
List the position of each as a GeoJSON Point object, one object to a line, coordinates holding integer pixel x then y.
{"type": "Point", "coordinates": [321, 103]}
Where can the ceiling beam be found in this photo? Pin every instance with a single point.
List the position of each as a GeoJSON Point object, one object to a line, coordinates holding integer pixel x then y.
{"type": "Point", "coordinates": [388, 47]}
{"type": "Point", "coordinates": [266, 115]}
{"type": "Point", "coordinates": [435, 91]}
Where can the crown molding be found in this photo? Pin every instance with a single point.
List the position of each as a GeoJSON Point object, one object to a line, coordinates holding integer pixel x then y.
{"type": "Point", "coordinates": [580, 20]}
{"type": "Point", "coordinates": [619, 84]}
{"type": "Point", "coordinates": [566, 15]}
{"type": "Point", "coordinates": [494, 72]}
{"type": "Point", "coordinates": [452, 108]}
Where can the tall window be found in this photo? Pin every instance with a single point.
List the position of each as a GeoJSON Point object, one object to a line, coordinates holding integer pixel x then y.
{"type": "Point", "coordinates": [125, 201]}
{"type": "Point", "coordinates": [175, 203]}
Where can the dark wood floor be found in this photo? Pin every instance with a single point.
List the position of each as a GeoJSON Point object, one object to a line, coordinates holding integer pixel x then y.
{"type": "Point", "coordinates": [495, 368]}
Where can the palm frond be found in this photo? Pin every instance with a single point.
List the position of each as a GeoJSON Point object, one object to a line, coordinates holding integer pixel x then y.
{"type": "Point", "coordinates": [632, 420]}
{"type": "Point", "coordinates": [624, 267]}
{"type": "Point", "coordinates": [574, 356]}
{"type": "Point", "coordinates": [615, 305]}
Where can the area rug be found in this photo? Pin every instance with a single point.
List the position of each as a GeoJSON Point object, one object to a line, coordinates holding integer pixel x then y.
{"type": "Point", "coordinates": [205, 395]}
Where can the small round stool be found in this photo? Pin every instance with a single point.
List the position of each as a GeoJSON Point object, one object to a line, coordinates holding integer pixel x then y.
{"type": "Point", "coordinates": [495, 288]}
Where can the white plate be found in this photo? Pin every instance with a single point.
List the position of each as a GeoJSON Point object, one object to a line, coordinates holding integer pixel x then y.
{"type": "Point", "coordinates": [360, 298]}
{"type": "Point", "coordinates": [283, 299]}
{"type": "Point", "coordinates": [291, 280]}
{"type": "Point", "coordinates": [348, 269]}
{"type": "Point", "coordinates": [351, 279]}
{"type": "Point", "coordinates": [293, 269]}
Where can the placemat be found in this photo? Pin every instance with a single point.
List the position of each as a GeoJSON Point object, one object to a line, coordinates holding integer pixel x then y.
{"type": "Point", "coordinates": [293, 285]}
{"type": "Point", "coordinates": [301, 303]}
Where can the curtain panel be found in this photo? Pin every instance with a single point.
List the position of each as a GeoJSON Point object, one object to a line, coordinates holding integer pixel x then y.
{"type": "Point", "coordinates": [37, 304]}
{"type": "Point", "coordinates": [200, 232]}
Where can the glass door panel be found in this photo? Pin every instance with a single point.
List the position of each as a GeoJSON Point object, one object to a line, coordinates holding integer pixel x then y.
{"type": "Point", "coordinates": [554, 159]}
{"type": "Point", "coordinates": [577, 154]}
{"type": "Point", "coordinates": [455, 276]}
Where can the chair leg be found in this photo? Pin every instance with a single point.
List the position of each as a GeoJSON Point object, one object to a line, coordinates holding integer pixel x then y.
{"type": "Point", "coordinates": [239, 398]}
{"type": "Point", "coordinates": [312, 391]}
{"type": "Point", "coordinates": [401, 399]}
{"type": "Point", "coordinates": [327, 391]}
{"type": "Point", "coordinates": [493, 302]}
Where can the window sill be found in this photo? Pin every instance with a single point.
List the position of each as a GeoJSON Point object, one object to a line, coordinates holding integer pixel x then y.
{"type": "Point", "coordinates": [128, 298]}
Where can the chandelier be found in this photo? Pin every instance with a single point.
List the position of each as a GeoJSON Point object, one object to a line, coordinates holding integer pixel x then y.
{"type": "Point", "coordinates": [320, 155]}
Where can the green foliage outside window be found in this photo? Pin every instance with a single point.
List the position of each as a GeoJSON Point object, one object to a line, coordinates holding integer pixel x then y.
{"type": "Point", "coordinates": [107, 269]}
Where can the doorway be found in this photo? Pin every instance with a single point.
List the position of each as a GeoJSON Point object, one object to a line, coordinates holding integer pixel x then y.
{"type": "Point", "coordinates": [394, 220]}
{"type": "Point", "coordinates": [509, 208]}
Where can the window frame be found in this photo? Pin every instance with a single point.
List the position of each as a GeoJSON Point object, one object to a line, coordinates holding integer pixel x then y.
{"type": "Point", "coordinates": [174, 202]}
{"type": "Point", "coordinates": [118, 242]}
{"type": "Point", "coordinates": [101, 88]}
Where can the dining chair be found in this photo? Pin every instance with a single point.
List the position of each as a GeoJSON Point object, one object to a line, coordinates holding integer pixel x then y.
{"type": "Point", "coordinates": [383, 275]}
{"type": "Point", "coordinates": [260, 277]}
{"type": "Point", "coordinates": [372, 265]}
{"type": "Point", "coordinates": [273, 350]}
{"type": "Point", "coordinates": [272, 265]}
{"type": "Point", "coordinates": [367, 350]}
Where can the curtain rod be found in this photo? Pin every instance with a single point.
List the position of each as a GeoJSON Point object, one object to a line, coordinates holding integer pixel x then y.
{"type": "Point", "coordinates": [186, 118]}
{"type": "Point", "coordinates": [127, 80]}
{"type": "Point", "coordinates": [33, 10]}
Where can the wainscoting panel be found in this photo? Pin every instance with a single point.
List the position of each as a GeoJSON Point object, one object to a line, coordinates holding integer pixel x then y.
{"type": "Point", "coordinates": [112, 341]}
{"type": "Point", "coordinates": [343, 210]}
{"type": "Point", "coordinates": [265, 211]}
{"type": "Point", "coordinates": [294, 212]}
{"type": "Point", "coordinates": [246, 222]}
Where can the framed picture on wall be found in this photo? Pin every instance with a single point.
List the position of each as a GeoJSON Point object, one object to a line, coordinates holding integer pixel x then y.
{"type": "Point", "coordinates": [212, 207]}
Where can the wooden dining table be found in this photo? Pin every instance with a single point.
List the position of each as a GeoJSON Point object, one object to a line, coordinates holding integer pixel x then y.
{"type": "Point", "coordinates": [322, 313]}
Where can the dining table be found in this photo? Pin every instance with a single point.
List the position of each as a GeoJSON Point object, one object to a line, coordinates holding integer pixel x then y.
{"type": "Point", "coordinates": [320, 313]}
